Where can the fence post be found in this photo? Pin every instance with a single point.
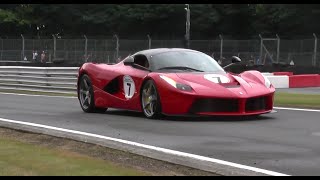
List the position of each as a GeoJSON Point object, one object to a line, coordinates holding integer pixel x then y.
{"type": "Point", "coordinates": [1, 48]}
{"type": "Point", "coordinates": [22, 47]}
{"type": "Point", "coordinates": [315, 50]}
{"type": "Point", "coordinates": [149, 38]}
{"type": "Point", "coordinates": [75, 50]}
{"type": "Point", "coordinates": [221, 46]}
{"type": "Point", "coordinates": [261, 44]}
{"type": "Point", "coordinates": [278, 47]}
{"type": "Point", "coordinates": [85, 47]}
{"type": "Point", "coordinates": [117, 46]}
{"type": "Point", "coordinates": [54, 46]}
{"type": "Point", "coordinates": [106, 50]}
{"type": "Point", "coordinates": [38, 32]}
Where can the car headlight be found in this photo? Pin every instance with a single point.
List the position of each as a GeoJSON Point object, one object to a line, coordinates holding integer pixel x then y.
{"type": "Point", "coordinates": [183, 87]}
{"type": "Point", "coordinates": [267, 82]}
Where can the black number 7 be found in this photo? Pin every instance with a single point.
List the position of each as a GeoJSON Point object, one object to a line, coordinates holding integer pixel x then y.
{"type": "Point", "coordinates": [129, 84]}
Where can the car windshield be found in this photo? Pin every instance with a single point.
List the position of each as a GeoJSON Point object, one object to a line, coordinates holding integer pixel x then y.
{"type": "Point", "coordinates": [185, 61]}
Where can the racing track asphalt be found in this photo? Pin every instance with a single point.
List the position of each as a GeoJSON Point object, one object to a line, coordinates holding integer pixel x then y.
{"type": "Point", "coordinates": [286, 142]}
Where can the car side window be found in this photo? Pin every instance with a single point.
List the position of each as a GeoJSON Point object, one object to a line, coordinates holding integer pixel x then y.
{"type": "Point", "coordinates": [141, 60]}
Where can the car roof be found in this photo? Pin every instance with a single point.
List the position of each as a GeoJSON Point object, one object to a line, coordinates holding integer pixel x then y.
{"type": "Point", "coordinates": [150, 52]}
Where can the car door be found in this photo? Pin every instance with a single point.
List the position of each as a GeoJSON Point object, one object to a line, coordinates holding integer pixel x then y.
{"type": "Point", "coordinates": [133, 76]}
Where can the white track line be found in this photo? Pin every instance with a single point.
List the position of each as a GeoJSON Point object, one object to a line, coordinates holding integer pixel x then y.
{"type": "Point", "coordinates": [297, 109]}
{"type": "Point", "coordinates": [159, 149]}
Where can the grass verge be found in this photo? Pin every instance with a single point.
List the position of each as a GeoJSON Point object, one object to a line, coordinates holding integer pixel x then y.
{"type": "Point", "coordinates": [297, 100]}
{"type": "Point", "coordinates": [31, 154]}
{"type": "Point", "coordinates": [18, 158]}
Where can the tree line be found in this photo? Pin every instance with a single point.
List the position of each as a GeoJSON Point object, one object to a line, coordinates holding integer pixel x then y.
{"type": "Point", "coordinates": [160, 21]}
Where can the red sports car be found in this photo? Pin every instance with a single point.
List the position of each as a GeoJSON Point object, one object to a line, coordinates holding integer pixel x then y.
{"type": "Point", "coordinates": [173, 81]}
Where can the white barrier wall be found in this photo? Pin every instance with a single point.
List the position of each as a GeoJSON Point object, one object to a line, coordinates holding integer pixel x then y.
{"type": "Point", "coordinates": [267, 74]}
{"type": "Point", "coordinates": [279, 81]}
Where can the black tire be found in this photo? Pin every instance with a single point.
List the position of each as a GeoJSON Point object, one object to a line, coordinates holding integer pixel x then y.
{"type": "Point", "coordinates": [86, 96]}
{"type": "Point", "coordinates": [153, 109]}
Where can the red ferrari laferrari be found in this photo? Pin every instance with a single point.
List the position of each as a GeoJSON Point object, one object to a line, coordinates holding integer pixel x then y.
{"type": "Point", "coordinates": [173, 81]}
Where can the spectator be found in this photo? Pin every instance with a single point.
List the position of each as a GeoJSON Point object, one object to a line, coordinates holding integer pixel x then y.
{"type": "Point", "coordinates": [221, 60]}
{"type": "Point", "coordinates": [87, 58]}
{"type": "Point", "coordinates": [251, 61]}
{"type": "Point", "coordinates": [291, 63]}
{"type": "Point", "coordinates": [34, 56]}
{"type": "Point", "coordinates": [43, 57]}
{"type": "Point", "coordinates": [268, 59]}
{"type": "Point", "coordinates": [258, 61]}
{"type": "Point", "coordinates": [119, 59]}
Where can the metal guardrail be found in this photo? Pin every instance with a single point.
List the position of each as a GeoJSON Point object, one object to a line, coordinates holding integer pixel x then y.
{"type": "Point", "coordinates": [41, 79]}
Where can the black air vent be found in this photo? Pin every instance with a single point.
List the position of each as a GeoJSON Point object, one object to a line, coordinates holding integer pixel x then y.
{"type": "Point", "coordinates": [112, 87]}
{"type": "Point", "coordinates": [215, 105]}
{"type": "Point", "coordinates": [256, 104]}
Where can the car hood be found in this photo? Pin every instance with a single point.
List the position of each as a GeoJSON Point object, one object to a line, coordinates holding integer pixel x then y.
{"type": "Point", "coordinates": [223, 84]}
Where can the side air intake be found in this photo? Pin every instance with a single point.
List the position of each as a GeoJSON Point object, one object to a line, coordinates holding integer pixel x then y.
{"type": "Point", "coordinates": [112, 87]}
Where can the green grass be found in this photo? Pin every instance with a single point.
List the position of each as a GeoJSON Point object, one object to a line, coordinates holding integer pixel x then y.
{"type": "Point", "coordinates": [297, 100]}
{"type": "Point", "coordinates": [23, 159]}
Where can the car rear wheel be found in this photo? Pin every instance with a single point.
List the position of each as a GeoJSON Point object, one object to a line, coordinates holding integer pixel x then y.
{"type": "Point", "coordinates": [150, 100]}
{"type": "Point", "coordinates": [86, 95]}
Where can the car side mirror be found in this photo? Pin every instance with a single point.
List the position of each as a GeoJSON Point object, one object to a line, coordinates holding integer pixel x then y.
{"type": "Point", "coordinates": [235, 59]}
{"type": "Point", "coordinates": [129, 61]}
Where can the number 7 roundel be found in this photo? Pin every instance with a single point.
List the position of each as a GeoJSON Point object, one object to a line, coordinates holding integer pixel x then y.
{"type": "Point", "coordinates": [128, 86]}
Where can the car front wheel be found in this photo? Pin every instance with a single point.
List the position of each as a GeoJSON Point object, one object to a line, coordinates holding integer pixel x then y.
{"type": "Point", "coordinates": [86, 95]}
{"type": "Point", "coordinates": [150, 100]}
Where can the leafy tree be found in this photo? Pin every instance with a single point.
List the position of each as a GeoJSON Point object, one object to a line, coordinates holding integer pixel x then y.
{"type": "Point", "coordinates": [240, 21]}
